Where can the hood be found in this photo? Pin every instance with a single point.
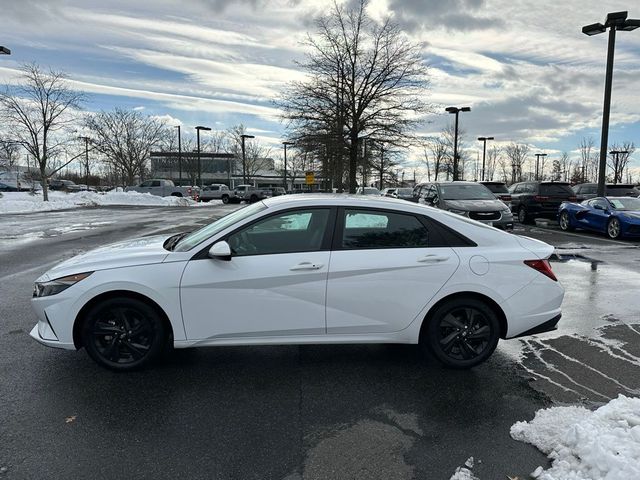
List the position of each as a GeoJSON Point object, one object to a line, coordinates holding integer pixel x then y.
{"type": "Point", "coordinates": [539, 248]}
{"type": "Point", "coordinates": [476, 205]}
{"type": "Point", "coordinates": [129, 253]}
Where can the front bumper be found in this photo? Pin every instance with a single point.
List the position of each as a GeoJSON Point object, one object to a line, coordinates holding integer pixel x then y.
{"type": "Point", "coordinates": [42, 333]}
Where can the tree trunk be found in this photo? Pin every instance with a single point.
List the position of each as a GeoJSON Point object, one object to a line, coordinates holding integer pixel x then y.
{"type": "Point", "coordinates": [45, 186]}
{"type": "Point", "coordinates": [353, 163]}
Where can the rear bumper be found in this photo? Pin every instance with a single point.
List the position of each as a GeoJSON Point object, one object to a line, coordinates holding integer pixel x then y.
{"type": "Point", "coordinates": [548, 326]}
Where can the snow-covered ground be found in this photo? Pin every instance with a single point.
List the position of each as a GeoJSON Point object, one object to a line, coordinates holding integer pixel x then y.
{"type": "Point", "coordinates": [582, 444]}
{"type": "Point", "coordinates": [24, 202]}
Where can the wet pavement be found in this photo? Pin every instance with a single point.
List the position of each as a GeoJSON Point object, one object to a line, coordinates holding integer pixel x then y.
{"type": "Point", "coordinates": [297, 412]}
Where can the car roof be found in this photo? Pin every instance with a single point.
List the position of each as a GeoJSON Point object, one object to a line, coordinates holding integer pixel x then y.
{"type": "Point", "coordinates": [333, 199]}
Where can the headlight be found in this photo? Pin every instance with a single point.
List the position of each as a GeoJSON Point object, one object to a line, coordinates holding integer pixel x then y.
{"type": "Point", "coordinates": [458, 212]}
{"type": "Point", "coordinates": [53, 287]}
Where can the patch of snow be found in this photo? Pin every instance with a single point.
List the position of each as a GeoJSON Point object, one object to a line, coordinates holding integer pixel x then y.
{"type": "Point", "coordinates": [24, 202]}
{"type": "Point", "coordinates": [465, 473]}
{"type": "Point", "coordinates": [583, 444]}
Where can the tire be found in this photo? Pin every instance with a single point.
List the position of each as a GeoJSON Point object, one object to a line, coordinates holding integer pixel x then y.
{"type": "Point", "coordinates": [123, 334]}
{"type": "Point", "coordinates": [447, 334]}
{"type": "Point", "coordinates": [225, 199]}
{"type": "Point", "coordinates": [613, 228]}
{"type": "Point", "coordinates": [565, 222]}
{"type": "Point", "coordinates": [253, 199]}
{"type": "Point", "coordinates": [523, 216]}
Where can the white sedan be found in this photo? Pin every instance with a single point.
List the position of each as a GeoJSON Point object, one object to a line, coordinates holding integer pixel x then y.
{"type": "Point", "coordinates": [304, 269]}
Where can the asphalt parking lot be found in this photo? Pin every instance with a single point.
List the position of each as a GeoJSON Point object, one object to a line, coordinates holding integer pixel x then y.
{"type": "Point", "coordinates": [297, 412]}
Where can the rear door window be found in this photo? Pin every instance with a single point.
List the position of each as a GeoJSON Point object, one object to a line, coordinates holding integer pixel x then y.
{"type": "Point", "coordinates": [381, 229]}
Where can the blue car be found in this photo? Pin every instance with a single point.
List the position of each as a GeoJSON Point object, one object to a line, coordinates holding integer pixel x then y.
{"type": "Point", "coordinates": [615, 216]}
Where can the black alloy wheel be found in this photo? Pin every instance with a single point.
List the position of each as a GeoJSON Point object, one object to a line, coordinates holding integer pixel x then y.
{"type": "Point", "coordinates": [523, 217]}
{"type": "Point", "coordinates": [123, 334]}
{"type": "Point", "coordinates": [462, 333]}
{"type": "Point", "coordinates": [225, 199]}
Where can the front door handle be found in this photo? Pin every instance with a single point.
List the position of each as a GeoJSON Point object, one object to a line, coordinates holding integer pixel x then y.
{"type": "Point", "coordinates": [433, 258]}
{"type": "Point", "coordinates": [306, 266]}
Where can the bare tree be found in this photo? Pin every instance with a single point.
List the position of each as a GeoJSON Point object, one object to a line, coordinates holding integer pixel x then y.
{"type": "Point", "coordinates": [620, 162]}
{"type": "Point", "coordinates": [565, 166]}
{"type": "Point", "coordinates": [492, 161]}
{"type": "Point", "coordinates": [437, 149]}
{"type": "Point", "coordinates": [517, 153]}
{"type": "Point", "coordinates": [363, 76]}
{"type": "Point", "coordinates": [126, 138]}
{"type": "Point", "coordinates": [256, 154]}
{"type": "Point", "coordinates": [38, 110]}
{"type": "Point", "coordinates": [9, 154]}
{"type": "Point", "coordinates": [588, 167]}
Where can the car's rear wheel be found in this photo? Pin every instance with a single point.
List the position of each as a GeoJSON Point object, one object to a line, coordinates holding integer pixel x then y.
{"type": "Point", "coordinates": [565, 222]}
{"type": "Point", "coordinates": [523, 216]}
{"type": "Point", "coordinates": [225, 199]}
{"type": "Point", "coordinates": [123, 334]}
{"type": "Point", "coordinates": [462, 333]}
{"type": "Point", "coordinates": [613, 228]}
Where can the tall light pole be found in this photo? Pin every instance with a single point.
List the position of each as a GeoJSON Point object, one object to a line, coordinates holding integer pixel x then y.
{"type": "Point", "coordinates": [484, 152]}
{"type": "Point", "coordinates": [86, 159]}
{"type": "Point", "coordinates": [456, 111]}
{"type": "Point", "coordinates": [244, 158]}
{"type": "Point", "coordinates": [179, 155]}
{"type": "Point", "coordinates": [206, 129]}
{"type": "Point", "coordinates": [615, 21]}
{"type": "Point", "coordinates": [284, 144]}
{"type": "Point", "coordinates": [538, 155]}
{"type": "Point", "coordinates": [615, 168]}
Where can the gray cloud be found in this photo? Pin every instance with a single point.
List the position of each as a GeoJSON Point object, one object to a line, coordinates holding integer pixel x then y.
{"type": "Point", "coordinates": [451, 14]}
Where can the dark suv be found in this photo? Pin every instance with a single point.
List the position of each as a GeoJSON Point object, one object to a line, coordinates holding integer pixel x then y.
{"type": "Point", "coordinates": [499, 189]}
{"type": "Point", "coordinates": [585, 191]}
{"type": "Point", "coordinates": [539, 199]}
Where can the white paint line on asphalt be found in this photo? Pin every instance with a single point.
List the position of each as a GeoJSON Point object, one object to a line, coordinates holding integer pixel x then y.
{"type": "Point", "coordinates": [603, 239]}
{"type": "Point", "coordinates": [29, 270]}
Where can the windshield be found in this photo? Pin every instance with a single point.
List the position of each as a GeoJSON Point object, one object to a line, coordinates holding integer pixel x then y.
{"type": "Point", "coordinates": [466, 192]}
{"type": "Point", "coordinates": [625, 203]}
{"type": "Point", "coordinates": [199, 236]}
{"type": "Point", "coordinates": [497, 187]}
{"type": "Point", "coordinates": [404, 191]}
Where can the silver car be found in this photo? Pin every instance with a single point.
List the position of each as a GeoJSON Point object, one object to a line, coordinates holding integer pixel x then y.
{"type": "Point", "coordinates": [468, 199]}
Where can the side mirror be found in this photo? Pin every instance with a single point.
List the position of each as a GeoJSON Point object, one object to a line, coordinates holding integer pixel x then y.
{"type": "Point", "coordinates": [220, 251]}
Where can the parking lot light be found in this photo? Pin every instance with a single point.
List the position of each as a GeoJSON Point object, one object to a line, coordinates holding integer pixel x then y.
{"type": "Point", "coordinates": [206, 129]}
{"type": "Point", "coordinates": [244, 158]}
{"type": "Point", "coordinates": [615, 168]}
{"type": "Point", "coordinates": [538, 155]}
{"type": "Point", "coordinates": [615, 21]}
{"type": "Point", "coordinates": [284, 144]}
{"type": "Point", "coordinates": [484, 151]}
{"type": "Point", "coordinates": [456, 111]}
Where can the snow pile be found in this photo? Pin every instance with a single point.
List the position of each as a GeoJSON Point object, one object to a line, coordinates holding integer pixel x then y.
{"type": "Point", "coordinates": [600, 445]}
{"type": "Point", "coordinates": [465, 473]}
{"type": "Point", "coordinates": [24, 202]}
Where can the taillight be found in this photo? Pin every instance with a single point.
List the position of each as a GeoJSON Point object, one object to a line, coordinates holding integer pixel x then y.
{"type": "Point", "coordinates": [543, 266]}
{"type": "Point", "coordinates": [505, 198]}
{"type": "Point", "coordinates": [539, 198]}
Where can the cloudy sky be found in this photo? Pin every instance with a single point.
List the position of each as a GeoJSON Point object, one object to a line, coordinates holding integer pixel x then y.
{"type": "Point", "coordinates": [524, 66]}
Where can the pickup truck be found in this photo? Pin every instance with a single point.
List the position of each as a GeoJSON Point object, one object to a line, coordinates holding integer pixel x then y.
{"type": "Point", "coordinates": [249, 194]}
{"type": "Point", "coordinates": [163, 188]}
{"type": "Point", "coordinates": [216, 191]}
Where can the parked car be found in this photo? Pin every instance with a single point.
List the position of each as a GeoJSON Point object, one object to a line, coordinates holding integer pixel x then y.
{"type": "Point", "coordinates": [462, 285]}
{"type": "Point", "coordinates": [368, 191]}
{"type": "Point", "coordinates": [61, 185]}
{"type": "Point", "coordinates": [539, 199]}
{"type": "Point", "coordinates": [403, 193]}
{"type": "Point", "coordinates": [276, 191]}
{"type": "Point", "coordinates": [585, 191]}
{"type": "Point", "coordinates": [388, 192]}
{"type": "Point", "coordinates": [17, 182]}
{"type": "Point", "coordinates": [499, 189]}
{"type": "Point", "coordinates": [215, 191]}
{"type": "Point", "coordinates": [468, 199]}
{"type": "Point", "coordinates": [615, 216]}
{"type": "Point", "coordinates": [163, 188]}
{"type": "Point", "coordinates": [249, 194]}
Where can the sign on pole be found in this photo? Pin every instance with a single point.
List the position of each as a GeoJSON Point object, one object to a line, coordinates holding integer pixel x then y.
{"type": "Point", "coordinates": [310, 178]}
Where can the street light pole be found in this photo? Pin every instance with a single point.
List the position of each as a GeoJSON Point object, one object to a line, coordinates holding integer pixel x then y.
{"type": "Point", "coordinates": [615, 21]}
{"type": "Point", "coordinates": [179, 155]}
{"type": "Point", "coordinates": [616, 163]}
{"type": "Point", "coordinates": [484, 152]}
{"type": "Point", "coordinates": [538, 155]}
{"type": "Point", "coordinates": [456, 111]}
{"type": "Point", "coordinates": [206, 129]}
{"type": "Point", "coordinates": [244, 158]}
{"type": "Point", "coordinates": [285, 164]}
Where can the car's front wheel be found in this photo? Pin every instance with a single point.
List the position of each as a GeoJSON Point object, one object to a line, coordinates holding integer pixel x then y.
{"type": "Point", "coordinates": [462, 333]}
{"type": "Point", "coordinates": [613, 228]}
{"type": "Point", "coordinates": [123, 333]}
{"type": "Point", "coordinates": [565, 222]}
{"type": "Point", "coordinates": [523, 216]}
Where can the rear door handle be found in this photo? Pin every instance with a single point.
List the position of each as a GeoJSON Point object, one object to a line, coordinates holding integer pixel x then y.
{"type": "Point", "coordinates": [306, 266]}
{"type": "Point", "coordinates": [432, 258]}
